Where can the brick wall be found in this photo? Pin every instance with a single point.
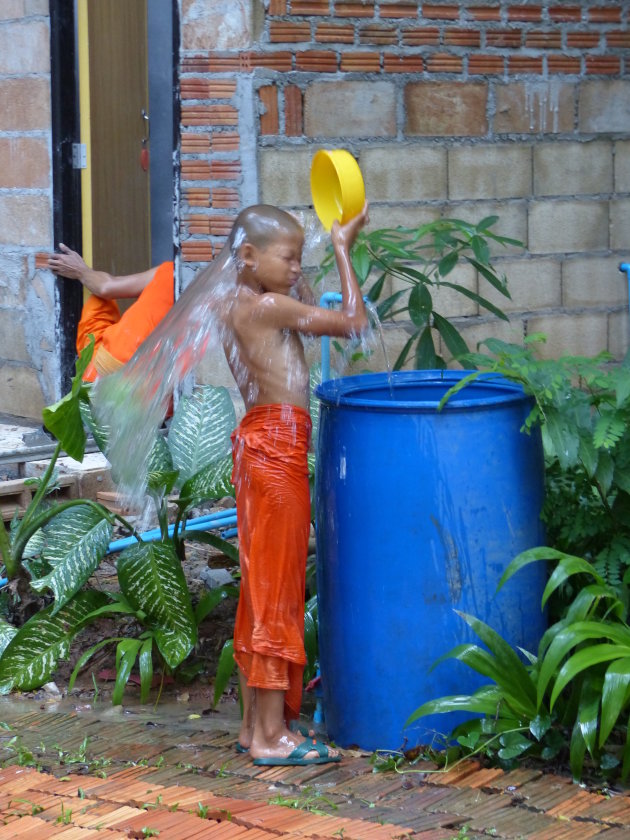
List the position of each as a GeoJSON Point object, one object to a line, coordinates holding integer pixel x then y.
{"type": "Point", "coordinates": [28, 356]}
{"type": "Point", "coordinates": [453, 108]}
{"type": "Point", "coordinates": [520, 109]}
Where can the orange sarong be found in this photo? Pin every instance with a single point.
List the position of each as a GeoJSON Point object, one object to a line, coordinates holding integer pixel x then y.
{"type": "Point", "coordinates": [270, 477]}
{"type": "Point", "coordinates": [116, 336]}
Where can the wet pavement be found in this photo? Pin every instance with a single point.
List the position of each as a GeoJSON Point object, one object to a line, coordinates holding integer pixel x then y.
{"type": "Point", "coordinates": [81, 771]}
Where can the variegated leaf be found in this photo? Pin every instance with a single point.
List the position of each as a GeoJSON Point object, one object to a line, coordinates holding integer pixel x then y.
{"type": "Point", "coordinates": [33, 653]}
{"type": "Point", "coordinates": [200, 431]}
{"type": "Point", "coordinates": [212, 482]}
{"type": "Point", "coordinates": [35, 545]}
{"type": "Point", "coordinates": [160, 473]}
{"type": "Point", "coordinates": [7, 632]}
{"type": "Point", "coordinates": [100, 433]}
{"type": "Point", "coordinates": [76, 542]}
{"type": "Point", "coordinates": [151, 578]}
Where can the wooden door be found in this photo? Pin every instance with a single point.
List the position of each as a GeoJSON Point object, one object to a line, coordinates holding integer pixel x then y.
{"type": "Point", "coordinates": [115, 130]}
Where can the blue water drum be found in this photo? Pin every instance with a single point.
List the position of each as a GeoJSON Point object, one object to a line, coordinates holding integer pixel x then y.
{"type": "Point", "coordinates": [419, 512]}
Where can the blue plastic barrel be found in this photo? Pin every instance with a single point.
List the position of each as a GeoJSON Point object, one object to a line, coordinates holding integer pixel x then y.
{"type": "Point", "coordinates": [419, 512]}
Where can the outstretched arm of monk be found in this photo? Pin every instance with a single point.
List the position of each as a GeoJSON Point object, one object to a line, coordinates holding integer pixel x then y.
{"type": "Point", "coordinates": [70, 264]}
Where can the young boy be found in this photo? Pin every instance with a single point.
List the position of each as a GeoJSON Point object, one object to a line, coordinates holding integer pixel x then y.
{"type": "Point", "coordinates": [265, 353]}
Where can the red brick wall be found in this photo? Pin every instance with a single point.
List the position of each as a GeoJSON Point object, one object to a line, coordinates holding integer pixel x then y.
{"type": "Point", "coordinates": [463, 107]}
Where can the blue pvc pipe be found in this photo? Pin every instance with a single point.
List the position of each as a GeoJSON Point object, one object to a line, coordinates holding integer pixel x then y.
{"type": "Point", "coordinates": [327, 300]}
{"type": "Point", "coordinates": [202, 523]}
{"type": "Point", "coordinates": [626, 267]}
{"type": "Point", "coordinates": [230, 532]}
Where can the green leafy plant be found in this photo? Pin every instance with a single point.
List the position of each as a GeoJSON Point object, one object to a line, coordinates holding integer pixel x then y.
{"type": "Point", "coordinates": [314, 802]}
{"type": "Point", "coordinates": [582, 406]}
{"type": "Point", "coordinates": [71, 539]}
{"type": "Point", "coordinates": [420, 261]}
{"type": "Point", "coordinates": [574, 695]}
{"type": "Point", "coordinates": [24, 551]}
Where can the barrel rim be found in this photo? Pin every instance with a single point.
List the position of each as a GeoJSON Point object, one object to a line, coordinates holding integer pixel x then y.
{"type": "Point", "coordinates": [342, 391]}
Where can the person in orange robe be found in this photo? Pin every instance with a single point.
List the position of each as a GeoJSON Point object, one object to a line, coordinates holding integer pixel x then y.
{"type": "Point", "coordinates": [263, 318]}
{"type": "Point", "coordinates": [116, 336]}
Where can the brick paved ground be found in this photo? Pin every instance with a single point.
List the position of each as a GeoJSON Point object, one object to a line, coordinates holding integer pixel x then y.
{"type": "Point", "coordinates": [139, 774]}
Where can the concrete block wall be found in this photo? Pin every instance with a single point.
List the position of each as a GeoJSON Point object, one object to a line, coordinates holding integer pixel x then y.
{"type": "Point", "coordinates": [459, 108]}
{"type": "Point", "coordinates": [28, 356]}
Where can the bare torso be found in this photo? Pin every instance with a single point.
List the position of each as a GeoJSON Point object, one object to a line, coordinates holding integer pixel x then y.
{"type": "Point", "coordinates": [267, 363]}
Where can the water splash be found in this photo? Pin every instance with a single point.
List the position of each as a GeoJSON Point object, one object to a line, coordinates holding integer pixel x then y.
{"type": "Point", "coordinates": [133, 402]}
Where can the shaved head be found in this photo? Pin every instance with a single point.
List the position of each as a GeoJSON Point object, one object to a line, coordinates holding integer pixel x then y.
{"type": "Point", "coordinates": [262, 224]}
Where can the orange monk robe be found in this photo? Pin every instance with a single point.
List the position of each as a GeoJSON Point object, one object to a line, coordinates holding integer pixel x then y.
{"type": "Point", "coordinates": [116, 336]}
{"type": "Point", "coordinates": [270, 477]}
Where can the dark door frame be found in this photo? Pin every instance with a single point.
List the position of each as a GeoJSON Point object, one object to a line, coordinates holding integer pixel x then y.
{"type": "Point", "coordinates": [66, 181]}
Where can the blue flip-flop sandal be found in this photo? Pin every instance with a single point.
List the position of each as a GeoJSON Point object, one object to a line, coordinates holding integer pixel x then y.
{"type": "Point", "coordinates": [240, 748]}
{"type": "Point", "coordinates": [298, 757]}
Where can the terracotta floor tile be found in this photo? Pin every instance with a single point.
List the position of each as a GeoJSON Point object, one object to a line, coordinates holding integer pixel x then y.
{"type": "Point", "coordinates": [19, 828]}
{"type": "Point", "coordinates": [109, 818]}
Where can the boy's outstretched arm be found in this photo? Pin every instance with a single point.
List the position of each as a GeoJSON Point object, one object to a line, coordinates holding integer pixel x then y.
{"type": "Point", "coordinates": [343, 238]}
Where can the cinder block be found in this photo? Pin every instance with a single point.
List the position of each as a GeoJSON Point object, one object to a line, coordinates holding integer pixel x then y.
{"type": "Point", "coordinates": [15, 496]}
{"type": "Point", "coordinates": [573, 168]}
{"type": "Point", "coordinates": [26, 219]}
{"type": "Point", "coordinates": [20, 391]}
{"type": "Point", "coordinates": [567, 226]}
{"type": "Point", "coordinates": [13, 278]}
{"type": "Point", "coordinates": [620, 224]}
{"type": "Point", "coordinates": [512, 222]}
{"type": "Point", "coordinates": [36, 7]}
{"type": "Point", "coordinates": [446, 109]}
{"type": "Point", "coordinates": [475, 330]}
{"type": "Point", "coordinates": [490, 171]}
{"type": "Point", "coordinates": [12, 343]}
{"type": "Point", "coordinates": [11, 9]}
{"type": "Point", "coordinates": [78, 479]}
{"type": "Point", "coordinates": [603, 106]}
{"type": "Point", "coordinates": [538, 107]}
{"type": "Point", "coordinates": [570, 334]}
{"type": "Point", "coordinates": [397, 215]}
{"type": "Point", "coordinates": [451, 303]}
{"type": "Point", "coordinates": [618, 334]}
{"type": "Point", "coordinates": [24, 162]}
{"type": "Point", "coordinates": [594, 281]}
{"type": "Point", "coordinates": [24, 47]}
{"type": "Point", "coordinates": [533, 285]}
{"type": "Point", "coordinates": [404, 173]}
{"type": "Point", "coordinates": [216, 26]}
{"type": "Point", "coordinates": [350, 109]}
{"type": "Point", "coordinates": [284, 176]}
{"type": "Point", "coordinates": [622, 166]}
{"type": "Point", "coordinates": [24, 104]}
{"type": "Point", "coordinates": [94, 481]}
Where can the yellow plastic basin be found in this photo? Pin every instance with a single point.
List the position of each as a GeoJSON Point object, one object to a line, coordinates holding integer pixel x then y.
{"type": "Point", "coordinates": [337, 186]}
